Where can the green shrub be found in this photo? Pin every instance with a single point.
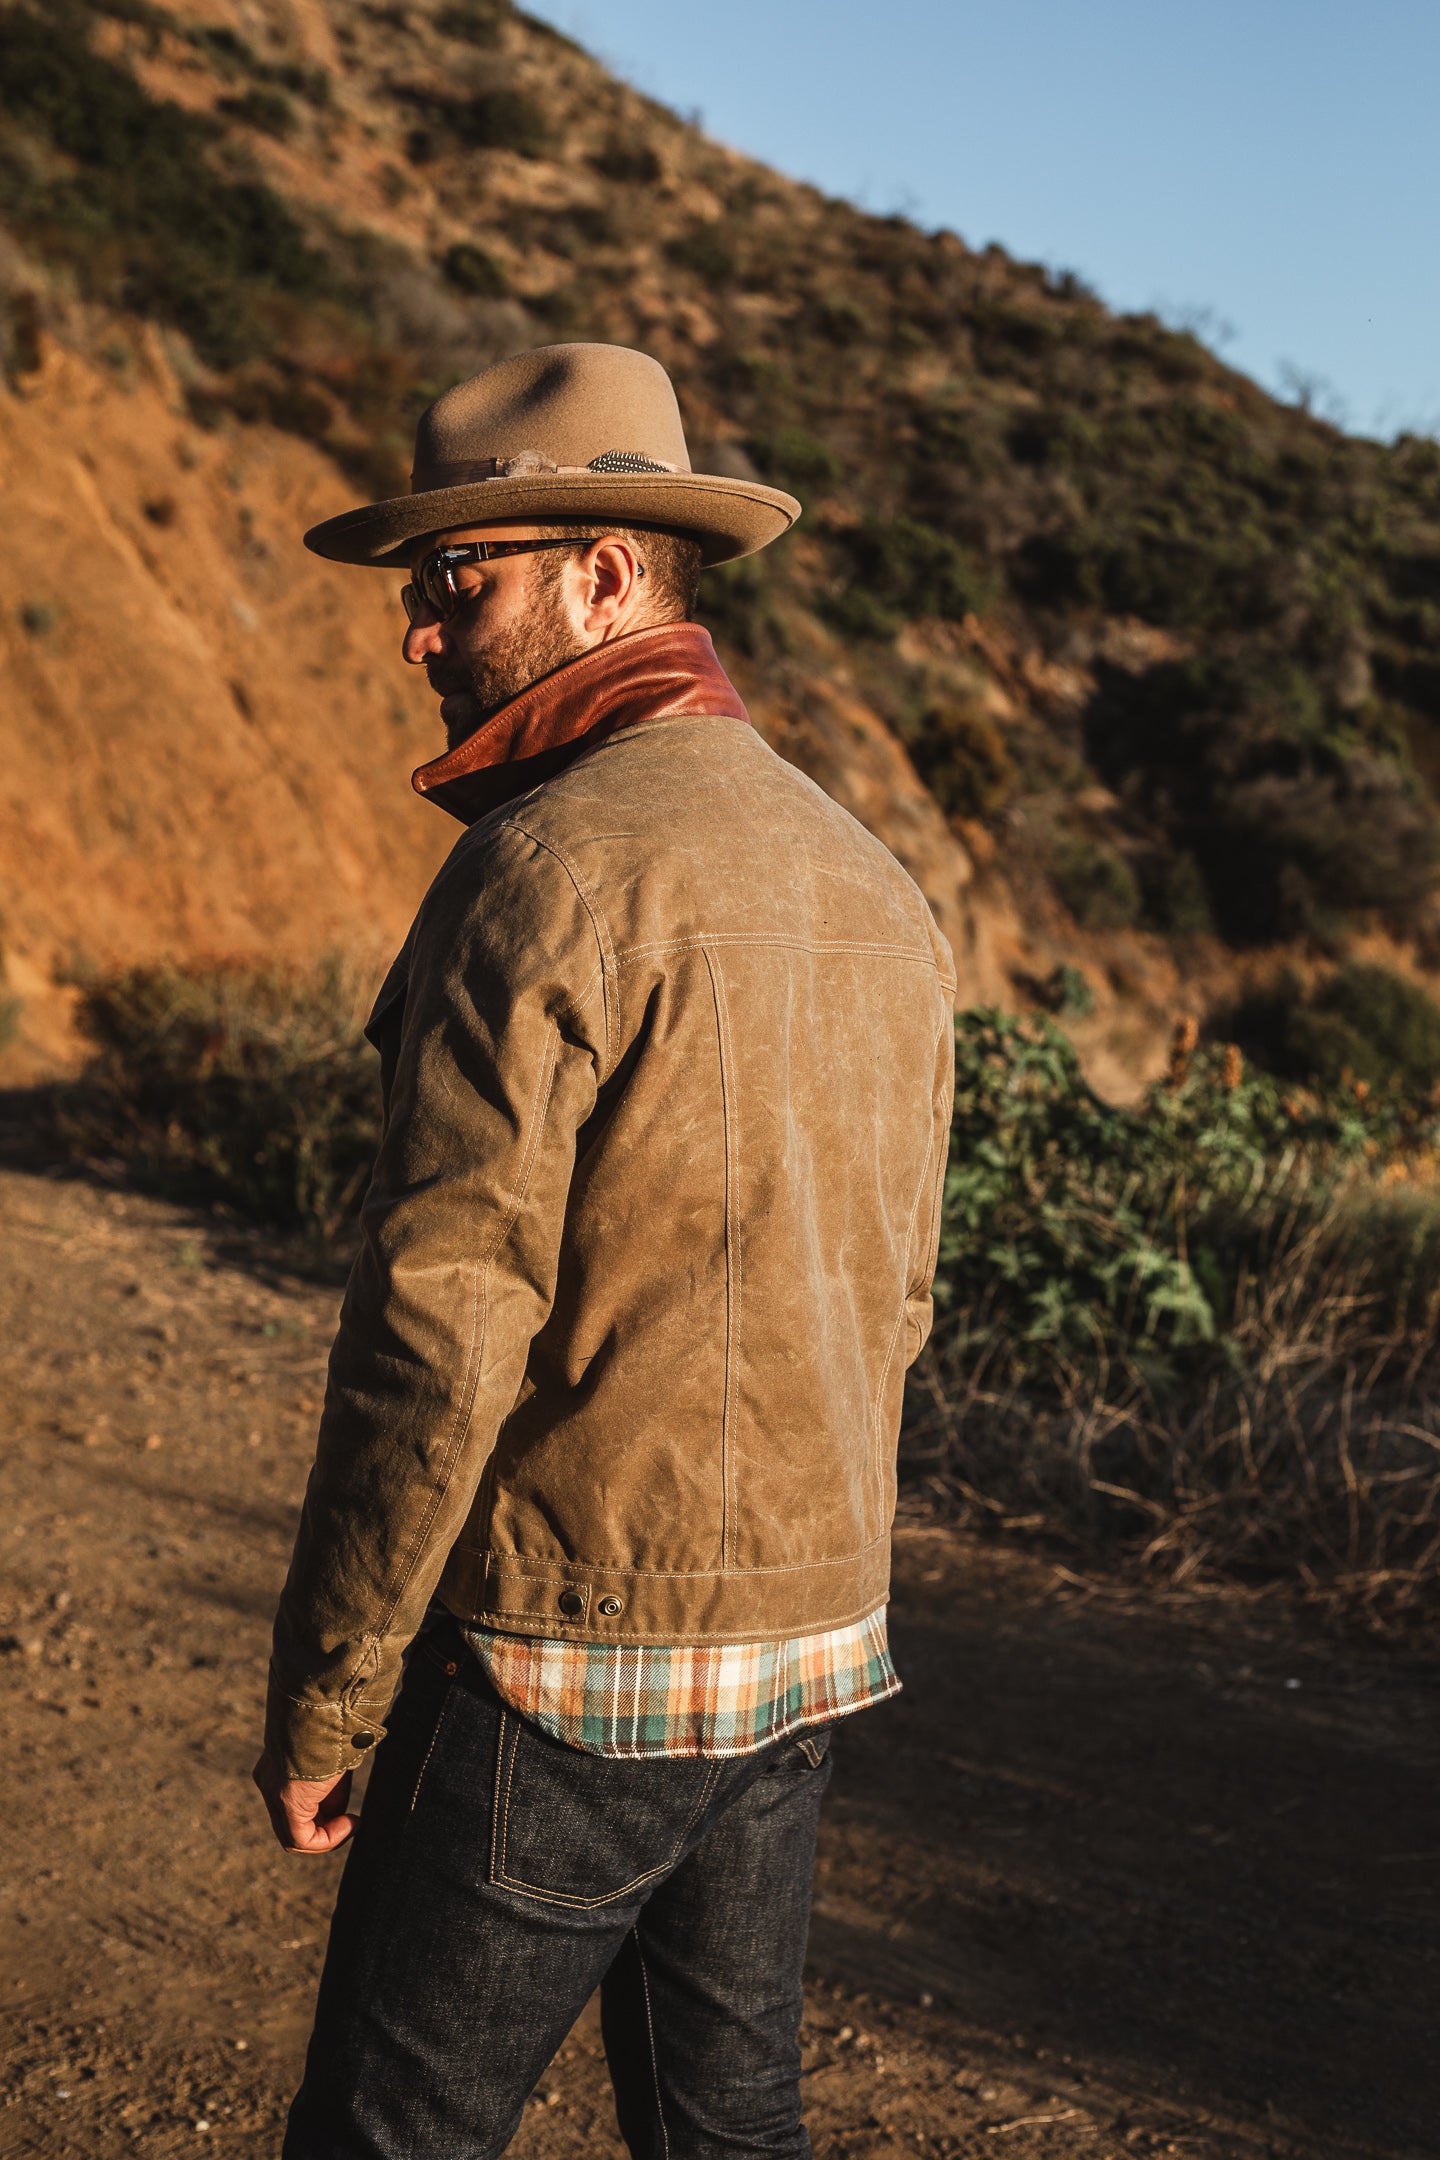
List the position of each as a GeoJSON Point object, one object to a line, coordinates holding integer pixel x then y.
{"type": "Point", "coordinates": [910, 568]}
{"type": "Point", "coordinates": [792, 457]}
{"type": "Point", "coordinates": [1066, 993]}
{"type": "Point", "coordinates": [502, 120]}
{"type": "Point", "coordinates": [144, 217]}
{"type": "Point", "coordinates": [961, 757]}
{"type": "Point", "coordinates": [737, 604]}
{"type": "Point", "coordinates": [268, 110]}
{"type": "Point", "coordinates": [471, 270]}
{"type": "Point", "coordinates": [473, 22]}
{"type": "Point", "coordinates": [626, 160]}
{"type": "Point", "coordinates": [1364, 1022]}
{"type": "Point", "coordinates": [1098, 886]}
{"type": "Point", "coordinates": [250, 1086]}
{"type": "Point", "coordinates": [705, 252]}
{"type": "Point", "coordinates": [1290, 816]}
{"type": "Point", "coordinates": [1204, 1331]}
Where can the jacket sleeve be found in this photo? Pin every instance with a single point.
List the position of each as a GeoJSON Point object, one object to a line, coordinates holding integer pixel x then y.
{"type": "Point", "coordinates": [502, 1044]}
{"type": "Point", "coordinates": [919, 1305]}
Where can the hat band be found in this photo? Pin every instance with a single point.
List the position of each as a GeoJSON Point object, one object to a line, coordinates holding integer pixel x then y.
{"type": "Point", "coordinates": [463, 472]}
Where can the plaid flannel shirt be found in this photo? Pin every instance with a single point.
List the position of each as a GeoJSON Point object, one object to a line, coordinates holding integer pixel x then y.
{"type": "Point", "coordinates": [656, 1700]}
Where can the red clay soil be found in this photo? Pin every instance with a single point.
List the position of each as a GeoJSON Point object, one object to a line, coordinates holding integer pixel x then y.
{"type": "Point", "coordinates": [1112, 1875]}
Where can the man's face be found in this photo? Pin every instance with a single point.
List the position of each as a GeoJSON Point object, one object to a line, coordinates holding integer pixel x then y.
{"type": "Point", "coordinates": [515, 622]}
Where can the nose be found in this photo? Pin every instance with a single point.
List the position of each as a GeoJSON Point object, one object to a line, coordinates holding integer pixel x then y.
{"type": "Point", "coordinates": [422, 639]}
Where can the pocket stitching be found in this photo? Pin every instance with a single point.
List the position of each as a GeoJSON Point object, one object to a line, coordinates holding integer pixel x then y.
{"type": "Point", "coordinates": [500, 1874]}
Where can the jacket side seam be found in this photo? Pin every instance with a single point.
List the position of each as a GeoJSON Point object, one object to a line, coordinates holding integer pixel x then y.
{"type": "Point", "coordinates": [896, 1334]}
{"type": "Point", "coordinates": [733, 1263]}
{"type": "Point", "coordinates": [475, 1350]}
{"type": "Point", "coordinates": [937, 1185]}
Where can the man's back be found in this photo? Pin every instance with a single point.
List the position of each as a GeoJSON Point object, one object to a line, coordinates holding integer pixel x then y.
{"type": "Point", "coordinates": [703, 1440]}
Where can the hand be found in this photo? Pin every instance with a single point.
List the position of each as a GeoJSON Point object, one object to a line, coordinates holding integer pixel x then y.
{"type": "Point", "coordinates": [308, 1815]}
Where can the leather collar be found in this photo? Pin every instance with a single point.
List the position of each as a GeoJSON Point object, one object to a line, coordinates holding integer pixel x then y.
{"type": "Point", "coordinates": [668, 673]}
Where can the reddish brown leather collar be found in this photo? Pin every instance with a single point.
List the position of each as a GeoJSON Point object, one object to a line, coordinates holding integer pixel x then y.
{"type": "Point", "coordinates": [668, 673]}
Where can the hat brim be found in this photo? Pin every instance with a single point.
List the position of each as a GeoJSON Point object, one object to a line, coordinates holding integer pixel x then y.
{"type": "Point", "coordinates": [729, 518]}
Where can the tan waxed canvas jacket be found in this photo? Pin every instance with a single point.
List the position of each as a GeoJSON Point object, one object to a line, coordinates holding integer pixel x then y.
{"type": "Point", "coordinates": [668, 1065]}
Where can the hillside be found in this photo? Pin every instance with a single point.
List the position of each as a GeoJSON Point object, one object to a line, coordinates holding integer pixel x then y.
{"type": "Point", "coordinates": [1136, 669]}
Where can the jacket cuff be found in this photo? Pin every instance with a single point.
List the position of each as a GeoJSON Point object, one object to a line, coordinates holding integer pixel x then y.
{"type": "Point", "coordinates": [313, 1738]}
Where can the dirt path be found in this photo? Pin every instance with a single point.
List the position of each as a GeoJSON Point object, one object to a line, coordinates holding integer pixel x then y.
{"type": "Point", "coordinates": [1108, 1877]}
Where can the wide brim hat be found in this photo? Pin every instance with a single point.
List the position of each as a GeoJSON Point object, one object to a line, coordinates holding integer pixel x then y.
{"type": "Point", "coordinates": [590, 432]}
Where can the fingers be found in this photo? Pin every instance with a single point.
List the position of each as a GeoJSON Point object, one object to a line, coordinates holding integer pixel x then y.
{"type": "Point", "coordinates": [308, 1815]}
{"type": "Point", "coordinates": [318, 1837]}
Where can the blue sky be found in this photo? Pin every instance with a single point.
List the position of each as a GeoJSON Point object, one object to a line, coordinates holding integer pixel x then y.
{"type": "Point", "coordinates": [1267, 172]}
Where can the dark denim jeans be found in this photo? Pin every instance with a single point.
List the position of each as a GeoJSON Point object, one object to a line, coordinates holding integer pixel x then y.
{"type": "Point", "coordinates": [498, 1877]}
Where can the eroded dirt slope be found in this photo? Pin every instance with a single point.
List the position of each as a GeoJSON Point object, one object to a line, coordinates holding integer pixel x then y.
{"type": "Point", "coordinates": [206, 733]}
{"type": "Point", "coordinates": [1108, 1878]}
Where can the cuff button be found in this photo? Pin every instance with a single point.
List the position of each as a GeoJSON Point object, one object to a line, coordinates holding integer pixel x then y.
{"type": "Point", "coordinates": [571, 1603]}
{"type": "Point", "coordinates": [362, 1739]}
{"type": "Point", "coordinates": [610, 1606]}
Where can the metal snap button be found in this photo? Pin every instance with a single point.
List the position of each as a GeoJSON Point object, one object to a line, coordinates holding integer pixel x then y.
{"type": "Point", "coordinates": [571, 1602]}
{"type": "Point", "coordinates": [611, 1605]}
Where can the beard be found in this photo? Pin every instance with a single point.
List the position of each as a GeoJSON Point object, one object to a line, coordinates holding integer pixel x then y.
{"type": "Point", "coordinates": [474, 686]}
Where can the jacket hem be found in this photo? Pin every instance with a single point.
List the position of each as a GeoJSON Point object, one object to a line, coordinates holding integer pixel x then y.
{"type": "Point", "coordinates": [511, 1595]}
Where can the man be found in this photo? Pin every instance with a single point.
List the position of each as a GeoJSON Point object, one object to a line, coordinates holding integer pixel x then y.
{"type": "Point", "coordinates": [616, 1389]}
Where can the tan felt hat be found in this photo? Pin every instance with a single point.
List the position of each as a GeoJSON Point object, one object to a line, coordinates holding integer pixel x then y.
{"type": "Point", "coordinates": [569, 431]}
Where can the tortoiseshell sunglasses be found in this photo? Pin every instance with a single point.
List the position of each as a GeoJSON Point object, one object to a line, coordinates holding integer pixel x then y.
{"type": "Point", "coordinates": [434, 585]}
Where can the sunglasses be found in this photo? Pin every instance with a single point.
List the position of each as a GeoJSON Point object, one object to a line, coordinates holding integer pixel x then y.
{"type": "Point", "coordinates": [434, 587]}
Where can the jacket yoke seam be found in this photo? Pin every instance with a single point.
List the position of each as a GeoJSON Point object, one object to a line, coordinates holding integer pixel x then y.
{"type": "Point", "coordinates": [921, 957]}
{"type": "Point", "coordinates": [600, 930]}
{"type": "Point", "coordinates": [475, 1348]}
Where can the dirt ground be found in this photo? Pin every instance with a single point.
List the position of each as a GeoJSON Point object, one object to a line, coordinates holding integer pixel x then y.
{"type": "Point", "coordinates": [1111, 1876]}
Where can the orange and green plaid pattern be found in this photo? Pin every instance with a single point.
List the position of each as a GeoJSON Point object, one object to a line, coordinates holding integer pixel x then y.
{"type": "Point", "coordinates": [656, 1699]}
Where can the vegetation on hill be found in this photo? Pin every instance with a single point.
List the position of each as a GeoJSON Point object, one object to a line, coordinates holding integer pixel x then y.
{"type": "Point", "coordinates": [977, 440]}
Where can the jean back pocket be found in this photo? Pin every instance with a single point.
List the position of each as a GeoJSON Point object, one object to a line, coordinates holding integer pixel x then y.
{"type": "Point", "coordinates": [586, 1830]}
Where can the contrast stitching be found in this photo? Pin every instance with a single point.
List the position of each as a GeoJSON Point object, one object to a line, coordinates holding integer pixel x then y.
{"type": "Point", "coordinates": [770, 938]}
{"type": "Point", "coordinates": [712, 1776]}
{"type": "Point", "coordinates": [733, 1264]}
{"type": "Point", "coordinates": [515, 1566]}
{"type": "Point", "coordinates": [528, 1612]}
{"type": "Point", "coordinates": [654, 2060]}
{"type": "Point", "coordinates": [499, 1817]}
{"type": "Point", "coordinates": [440, 1720]}
{"type": "Point", "coordinates": [599, 927]}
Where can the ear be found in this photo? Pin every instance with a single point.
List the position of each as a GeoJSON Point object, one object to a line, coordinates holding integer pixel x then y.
{"type": "Point", "coordinates": [612, 585]}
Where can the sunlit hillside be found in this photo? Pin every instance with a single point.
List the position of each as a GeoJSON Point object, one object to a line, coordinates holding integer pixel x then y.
{"type": "Point", "coordinates": [1137, 669]}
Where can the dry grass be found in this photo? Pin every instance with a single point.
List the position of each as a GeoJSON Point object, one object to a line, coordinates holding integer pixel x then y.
{"type": "Point", "coordinates": [1303, 1446]}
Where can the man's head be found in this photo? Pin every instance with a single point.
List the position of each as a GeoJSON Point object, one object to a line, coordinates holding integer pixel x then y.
{"type": "Point", "coordinates": [485, 628]}
{"type": "Point", "coordinates": [579, 441]}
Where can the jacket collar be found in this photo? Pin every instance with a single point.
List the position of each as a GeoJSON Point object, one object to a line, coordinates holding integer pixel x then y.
{"type": "Point", "coordinates": [668, 673]}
